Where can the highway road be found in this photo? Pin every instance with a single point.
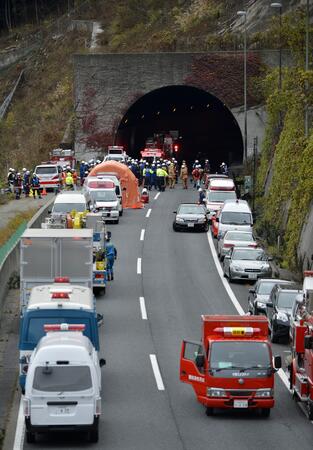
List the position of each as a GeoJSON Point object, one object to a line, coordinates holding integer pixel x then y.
{"type": "Point", "coordinates": [152, 304]}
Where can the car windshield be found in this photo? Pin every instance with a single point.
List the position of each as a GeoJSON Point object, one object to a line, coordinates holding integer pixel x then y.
{"type": "Point", "coordinates": [286, 299]}
{"type": "Point", "coordinates": [68, 207]}
{"type": "Point", "coordinates": [237, 355]}
{"type": "Point", "coordinates": [191, 209]}
{"type": "Point", "coordinates": [235, 236]}
{"type": "Point", "coordinates": [265, 287]}
{"type": "Point", "coordinates": [52, 378]}
{"type": "Point", "coordinates": [249, 255]}
{"type": "Point", "coordinates": [103, 196]}
{"type": "Point", "coordinates": [46, 170]}
{"type": "Point", "coordinates": [236, 218]}
{"type": "Point", "coordinates": [221, 196]}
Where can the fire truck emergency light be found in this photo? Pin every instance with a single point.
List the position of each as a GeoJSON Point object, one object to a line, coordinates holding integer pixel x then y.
{"type": "Point", "coordinates": [64, 327]}
{"type": "Point", "coordinates": [62, 280]}
{"type": "Point", "coordinates": [60, 295]}
{"type": "Point", "coordinates": [237, 331]}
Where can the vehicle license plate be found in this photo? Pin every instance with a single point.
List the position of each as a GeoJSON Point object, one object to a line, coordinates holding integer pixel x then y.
{"type": "Point", "coordinates": [240, 403]}
{"type": "Point", "coordinates": [62, 411]}
{"type": "Point", "coordinates": [190, 225]}
{"type": "Point", "coordinates": [252, 276]}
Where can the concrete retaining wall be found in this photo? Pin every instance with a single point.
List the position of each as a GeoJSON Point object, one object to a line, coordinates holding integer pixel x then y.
{"type": "Point", "coordinates": [11, 263]}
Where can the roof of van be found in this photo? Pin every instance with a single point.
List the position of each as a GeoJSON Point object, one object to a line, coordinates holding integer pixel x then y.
{"type": "Point", "coordinates": [221, 184]}
{"type": "Point", "coordinates": [56, 233]}
{"type": "Point", "coordinates": [80, 297]}
{"type": "Point", "coordinates": [236, 205]}
{"type": "Point", "coordinates": [63, 345]}
{"type": "Point", "coordinates": [70, 197]}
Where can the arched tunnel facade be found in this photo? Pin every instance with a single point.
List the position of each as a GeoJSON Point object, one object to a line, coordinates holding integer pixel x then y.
{"type": "Point", "coordinates": [206, 128]}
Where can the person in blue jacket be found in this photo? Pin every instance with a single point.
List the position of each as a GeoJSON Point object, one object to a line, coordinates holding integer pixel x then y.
{"type": "Point", "coordinates": [111, 254]}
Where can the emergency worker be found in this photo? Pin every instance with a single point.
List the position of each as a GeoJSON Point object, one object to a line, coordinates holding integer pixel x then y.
{"type": "Point", "coordinates": [184, 175]}
{"type": "Point", "coordinates": [26, 183]}
{"type": "Point", "coordinates": [35, 184]}
{"type": "Point", "coordinates": [18, 186]}
{"type": "Point", "coordinates": [196, 176]}
{"type": "Point", "coordinates": [171, 175]}
{"type": "Point", "coordinates": [69, 182]}
{"type": "Point", "coordinates": [154, 177]}
{"type": "Point", "coordinates": [11, 176]}
{"type": "Point", "coordinates": [201, 196]}
{"type": "Point", "coordinates": [111, 254]}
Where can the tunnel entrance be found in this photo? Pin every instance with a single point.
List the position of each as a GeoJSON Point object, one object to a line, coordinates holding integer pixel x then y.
{"type": "Point", "coordinates": [206, 127]}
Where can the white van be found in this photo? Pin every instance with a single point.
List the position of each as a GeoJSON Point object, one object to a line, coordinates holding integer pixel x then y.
{"type": "Point", "coordinates": [63, 384]}
{"type": "Point", "coordinates": [101, 182]}
{"type": "Point", "coordinates": [50, 175]}
{"type": "Point", "coordinates": [65, 202]}
{"type": "Point", "coordinates": [106, 201]}
{"type": "Point", "coordinates": [234, 215]}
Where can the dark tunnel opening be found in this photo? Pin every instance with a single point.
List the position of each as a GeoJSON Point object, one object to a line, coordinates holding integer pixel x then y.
{"type": "Point", "coordinates": [206, 127]}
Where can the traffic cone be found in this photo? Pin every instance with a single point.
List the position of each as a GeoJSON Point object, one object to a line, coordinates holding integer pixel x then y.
{"type": "Point", "coordinates": [44, 192]}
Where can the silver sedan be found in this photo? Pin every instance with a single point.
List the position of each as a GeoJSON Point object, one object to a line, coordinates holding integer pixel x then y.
{"type": "Point", "coordinates": [246, 263]}
{"type": "Point", "coordinates": [234, 238]}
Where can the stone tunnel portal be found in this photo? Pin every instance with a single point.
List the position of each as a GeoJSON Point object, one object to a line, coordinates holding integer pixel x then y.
{"type": "Point", "coordinates": [206, 127]}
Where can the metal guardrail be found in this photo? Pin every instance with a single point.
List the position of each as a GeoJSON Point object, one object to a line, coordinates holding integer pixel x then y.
{"type": "Point", "coordinates": [5, 105]}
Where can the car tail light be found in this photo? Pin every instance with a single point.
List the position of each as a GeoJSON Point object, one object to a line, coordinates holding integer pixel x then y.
{"type": "Point", "coordinates": [98, 407]}
{"type": "Point", "coordinates": [253, 245]}
{"type": "Point", "coordinates": [26, 407]}
{"type": "Point", "coordinates": [228, 245]}
{"type": "Point", "coordinates": [62, 280]}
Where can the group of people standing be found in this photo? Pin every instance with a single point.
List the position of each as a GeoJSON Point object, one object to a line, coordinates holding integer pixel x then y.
{"type": "Point", "coordinates": [23, 183]}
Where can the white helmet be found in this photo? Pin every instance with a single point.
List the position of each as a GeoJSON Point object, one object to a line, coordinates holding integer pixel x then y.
{"type": "Point", "coordinates": [24, 169]}
{"type": "Point", "coordinates": [200, 190]}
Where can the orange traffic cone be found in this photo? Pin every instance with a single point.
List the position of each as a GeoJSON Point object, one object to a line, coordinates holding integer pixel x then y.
{"type": "Point", "coordinates": [44, 192]}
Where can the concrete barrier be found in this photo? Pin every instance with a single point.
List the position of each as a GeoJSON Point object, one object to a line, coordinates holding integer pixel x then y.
{"type": "Point", "coordinates": [11, 262]}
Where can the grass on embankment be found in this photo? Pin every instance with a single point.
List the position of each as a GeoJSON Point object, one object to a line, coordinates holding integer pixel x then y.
{"type": "Point", "coordinates": [10, 228]}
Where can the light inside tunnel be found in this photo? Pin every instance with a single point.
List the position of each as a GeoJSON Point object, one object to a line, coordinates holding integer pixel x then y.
{"type": "Point", "coordinates": [206, 127]}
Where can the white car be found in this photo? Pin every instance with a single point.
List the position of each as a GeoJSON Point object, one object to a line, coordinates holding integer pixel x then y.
{"type": "Point", "coordinates": [105, 200]}
{"type": "Point", "coordinates": [65, 202]}
{"type": "Point", "coordinates": [105, 181]}
{"type": "Point", "coordinates": [63, 384]}
{"type": "Point", "coordinates": [234, 238]}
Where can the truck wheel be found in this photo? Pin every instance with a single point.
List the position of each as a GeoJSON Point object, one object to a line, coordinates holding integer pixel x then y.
{"type": "Point", "coordinates": [30, 437]}
{"type": "Point", "coordinates": [94, 435]}
{"type": "Point", "coordinates": [310, 410]}
{"type": "Point", "coordinates": [265, 412]}
{"type": "Point", "coordinates": [274, 338]}
{"type": "Point", "coordinates": [209, 411]}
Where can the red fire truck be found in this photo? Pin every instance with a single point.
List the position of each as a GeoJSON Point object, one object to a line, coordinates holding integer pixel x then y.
{"type": "Point", "coordinates": [301, 367]}
{"type": "Point", "coordinates": [232, 367]}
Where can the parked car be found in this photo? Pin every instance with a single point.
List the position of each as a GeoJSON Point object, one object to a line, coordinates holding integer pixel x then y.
{"type": "Point", "coordinates": [279, 307]}
{"type": "Point", "coordinates": [235, 239]}
{"type": "Point", "coordinates": [260, 293]}
{"type": "Point", "coordinates": [246, 263]}
{"type": "Point", "coordinates": [106, 201]}
{"type": "Point", "coordinates": [190, 216]}
{"type": "Point", "coordinates": [100, 183]}
{"type": "Point", "coordinates": [65, 202]}
{"type": "Point", "coordinates": [215, 200]}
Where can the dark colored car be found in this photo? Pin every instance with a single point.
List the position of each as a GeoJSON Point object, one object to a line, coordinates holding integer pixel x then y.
{"type": "Point", "coordinates": [190, 216]}
{"type": "Point", "coordinates": [260, 293]}
{"type": "Point", "coordinates": [278, 309]}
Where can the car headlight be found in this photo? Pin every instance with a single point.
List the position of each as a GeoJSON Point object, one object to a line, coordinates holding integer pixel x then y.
{"type": "Point", "coordinates": [264, 393]}
{"type": "Point", "coordinates": [236, 268]}
{"type": "Point", "coordinates": [282, 317]}
{"type": "Point", "coordinates": [265, 267]}
{"type": "Point", "coordinates": [215, 392]}
{"type": "Point", "coordinates": [179, 219]}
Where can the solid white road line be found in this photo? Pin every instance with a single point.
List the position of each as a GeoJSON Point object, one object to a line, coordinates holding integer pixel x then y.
{"type": "Point", "coordinates": [157, 373]}
{"type": "Point", "coordinates": [282, 375]}
{"type": "Point", "coordinates": [148, 212]}
{"type": "Point", "coordinates": [20, 429]}
{"type": "Point", "coordinates": [156, 197]}
{"type": "Point", "coordinates": [139, 266]}
{"type": "Point", "coordinates": [142, 234]}
{"type": "Point", "coordinates": [143, 308]}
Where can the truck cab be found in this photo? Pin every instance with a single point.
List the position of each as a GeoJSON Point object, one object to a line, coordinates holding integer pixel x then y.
{"type": "Point", "coordinates": [232, 367]}
{"type": "Point", "coordinates": [55, 303]}
{"type": "Point", "coordinates": [63, 384]}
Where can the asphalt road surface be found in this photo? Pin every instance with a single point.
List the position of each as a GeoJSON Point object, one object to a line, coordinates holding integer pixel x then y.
{"type": "Point", "coordinates": [178, 282]}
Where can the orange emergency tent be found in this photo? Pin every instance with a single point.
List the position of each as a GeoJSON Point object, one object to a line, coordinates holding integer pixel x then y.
{"type": "Point", "coordinates": [129, 183]}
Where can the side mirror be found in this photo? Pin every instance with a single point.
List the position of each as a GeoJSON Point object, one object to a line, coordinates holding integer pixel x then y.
{"type": "Point", "coordinates": [308, 342]}
{"type": "Point", "coordinates": [277, 362]}
{"type": "Point", "coordinates": [270, 258]}
{"type": "Point", "coordinates": [102, 362]}
{"type": "Point", "coordinates": [269, 304]}
{"type": "Point", "coordinates": [199, 361]}
{"type": "Point", "coordinates": [252, 291]}
{"type": "Point", "coordinates": [174, 212]}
